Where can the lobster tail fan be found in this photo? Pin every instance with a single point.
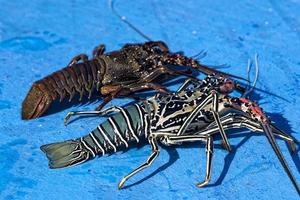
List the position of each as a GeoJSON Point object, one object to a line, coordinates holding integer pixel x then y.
{"type": "Point", "coordinates": [65, 154]}
{"type": "Point", "coordinates": [36, 102]}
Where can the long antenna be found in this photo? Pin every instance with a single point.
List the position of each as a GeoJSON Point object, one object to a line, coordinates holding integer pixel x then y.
{"type": "Point", "coordinates": [256, 75]}
{"type": "Point", "coordinates": [123, 18]}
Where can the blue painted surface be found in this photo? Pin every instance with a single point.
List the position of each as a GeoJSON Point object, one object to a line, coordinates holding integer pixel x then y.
{"type": "Point", "coordinates": [38, 37]}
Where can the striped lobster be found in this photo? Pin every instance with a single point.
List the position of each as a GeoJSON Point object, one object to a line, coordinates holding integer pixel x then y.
{"type": "Point", "coordinates": [198, 111]}
{"type": "Point", "coordinates": [133, 68]}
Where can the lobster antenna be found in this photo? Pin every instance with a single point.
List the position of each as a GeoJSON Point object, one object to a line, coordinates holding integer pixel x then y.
{"type": "Point", "coordinates": [249, 66]}
{"type": "Point", "coordinates": [256, 75]}
{"type": "Point", "coordinates": [123, 18]}
{"type": "Point", "coordinates": [257, 70]}
{"type": "Point", "coordinates": [272, 141]}
{"type": "Point", "coordinates": [200, 55]}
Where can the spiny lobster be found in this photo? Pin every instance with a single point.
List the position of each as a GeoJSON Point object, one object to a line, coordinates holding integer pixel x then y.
{"type": "Point", "coordinates": [133, 68]}
{"type": "Point", "coordinates": [198, 111]}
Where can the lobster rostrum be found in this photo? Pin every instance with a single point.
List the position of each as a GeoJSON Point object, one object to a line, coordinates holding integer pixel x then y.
{"type": "Point", "coordinates": [198, 111]}
{"type": "Point", "coordinates": [133, 68]}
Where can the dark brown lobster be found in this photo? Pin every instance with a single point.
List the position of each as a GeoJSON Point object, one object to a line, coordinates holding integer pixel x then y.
{"type": "Point", "coordinates": [134, 68]}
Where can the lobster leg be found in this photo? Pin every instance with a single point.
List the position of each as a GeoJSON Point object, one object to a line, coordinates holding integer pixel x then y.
{"type": "Point", "coordinates": [240, 121]}
{"type": "Point", "coordinates": [118, 91]}
{"type": "Point", "coordinates": [284, 136]}
{"type": "Point", "coordinates": [275, 130]}
{"type": "Point", "coordinates": [209, 151]}
{"type": "Point", "coordinates": [233, 122]}
{"type": "Point", "coordinates": [100, 113]}
{"type": "Point", "coordinates": [76, 59]}
{"type": "Point", "coordinates": [213, 97]}
{"type": "Point", "coordinates": [106, 100]}
{"type": "Point", "coordinates": [268, 131]}
{"type": "Point", "coordinates": [209, 155]}
{"type": "Point", "coordinates": [194, 114]}
{"type": "Point", "coordinates": [113, 94]}
{"type": "Point", "coordinates": [159, 44]}
{"type": "Point", "coordinates": [177, 139]}
{"type": "Point", "coordinates": [143, 86]}
{"type": "Point", "coordinates": [99, 50]}
{"type": "Point", "coordinates": [151, 158]}
{"type": "Point", "coordinates": [215, 113]}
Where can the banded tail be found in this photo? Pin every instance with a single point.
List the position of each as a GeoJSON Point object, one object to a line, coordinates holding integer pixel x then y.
{"type": "Point", "coordinates": [128, 126]}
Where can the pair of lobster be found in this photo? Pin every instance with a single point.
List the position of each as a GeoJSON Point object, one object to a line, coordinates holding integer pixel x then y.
{"type": "Point", "coordinates": [198, 111]}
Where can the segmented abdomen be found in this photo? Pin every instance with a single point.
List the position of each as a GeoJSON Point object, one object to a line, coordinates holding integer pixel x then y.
{"type": "Point", "coordinates": [128, 126]}
{"type": "Point", "coordinates": [82, 78]}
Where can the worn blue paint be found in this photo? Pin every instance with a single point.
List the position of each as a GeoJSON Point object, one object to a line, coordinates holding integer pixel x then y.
{"type": "Point", "coordinates": [39, 37]}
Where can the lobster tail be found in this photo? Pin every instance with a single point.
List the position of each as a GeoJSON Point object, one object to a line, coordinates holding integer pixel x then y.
{"type": "Point", "coordinates": [65, 154]}
{"type": "Point", "coordinates": [116, 133]}
{"type": "Point", "coordinates": [82, 78]}
{"type": "Point", "coordinates": [36, 102]}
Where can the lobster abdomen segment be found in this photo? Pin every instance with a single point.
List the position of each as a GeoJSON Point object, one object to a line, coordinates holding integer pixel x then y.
{"type": "Point", "coordinates": [82, 79]}
{"type": "Point", "coordinates": [117, 132]}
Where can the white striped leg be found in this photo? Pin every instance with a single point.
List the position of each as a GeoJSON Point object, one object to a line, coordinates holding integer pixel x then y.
{"type": "Point", "coordinates": [240, 121]}
{"type": "Point", "coordinates": [234, 122]}
{"type": "Point", "coordinates": [276, 131]}
{"type": "Point", "coordinates": [268, 131]}
{"type": "Point", "coordinates": [284, 136]}
{"type": "Point", "coordinates": [149, 161]}
{"type": "Point", "coordinates": [215, 113]}
{"type": "Point", "coordinates": [177, 139]}
{"type": "Point", "coordinates": [209, 155]}
{"type": "Point", "coordinates": [194, 114]}
{"type": "Point", "coordinates": [93, 112]}
{"type": "Point", "coordinates": [213, 97]}
{"type": "Point", "coordinates": [231, 123]}
{"type": "Point", "coordinates": [209, 151]}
